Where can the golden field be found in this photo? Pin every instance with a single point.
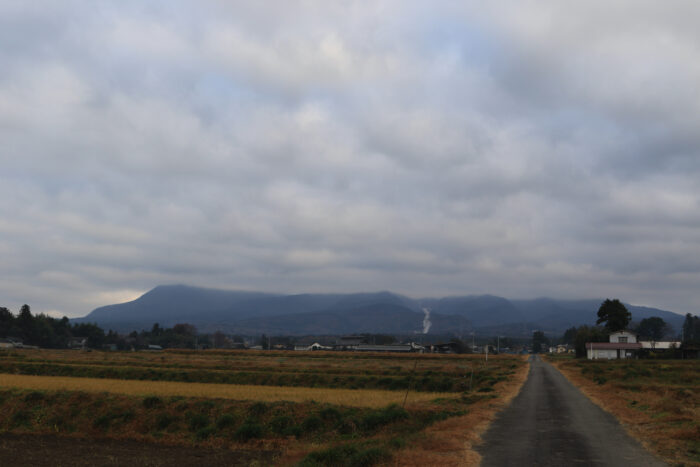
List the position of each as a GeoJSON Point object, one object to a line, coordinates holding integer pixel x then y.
{"type": "Point", "coordinates": [345, 397]}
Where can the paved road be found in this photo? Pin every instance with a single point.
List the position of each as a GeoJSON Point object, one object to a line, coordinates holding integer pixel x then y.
{"type": "Point", "coordinates": [551, 423]}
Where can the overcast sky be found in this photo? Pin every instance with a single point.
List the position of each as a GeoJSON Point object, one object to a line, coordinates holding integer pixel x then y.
{"type": "Point", "coordinates": [517, 148]}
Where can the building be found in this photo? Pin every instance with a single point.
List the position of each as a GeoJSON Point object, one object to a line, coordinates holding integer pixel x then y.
{"type": "Point", "coordinates": [349, 342]}
{"type": "Point", "coordinates": [314, 346]}
{"type": "Point", "coordinates": [660, 345]}
{"type": "Point", "coordinates": [78, 343]}
{"type": "Point", "coordinates": [561, 348]}
{"type": "Point", "coordinates": [7, 343]}
{"type": "Point", "coordinates": [410, 347]}
{"type": "Point", "coordinates": [624, 344]}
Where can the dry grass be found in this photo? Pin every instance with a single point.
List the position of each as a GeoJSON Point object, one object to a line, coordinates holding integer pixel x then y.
{"type": "Point", "coordinates": [346, 397]}
{"type": "Point", "coordinates": [341, 370]}
{"type": "Point", "coordinates": [658, 402]}
{"type": "Point", "coordinates": [451, 442]}
{"type": "Point", "coordinates": [436, 431]}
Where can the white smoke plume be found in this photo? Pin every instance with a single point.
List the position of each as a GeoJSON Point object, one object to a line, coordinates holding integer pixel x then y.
{"type": "Point", "coordinates": [426, 321]}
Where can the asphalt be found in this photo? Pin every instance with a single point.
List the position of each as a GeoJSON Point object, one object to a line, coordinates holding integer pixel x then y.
{"type": "Point", "coordinates": [551, 423]}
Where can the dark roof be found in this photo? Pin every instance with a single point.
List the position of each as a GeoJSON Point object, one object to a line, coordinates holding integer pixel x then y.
{"type": "Point", "coordinates": [385, 348]}
{"type": "Point", "coordinates": [613, 345]}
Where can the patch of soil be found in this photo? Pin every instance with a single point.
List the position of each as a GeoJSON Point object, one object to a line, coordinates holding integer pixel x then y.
{"type": "Point", "coordinates": [55, 451]}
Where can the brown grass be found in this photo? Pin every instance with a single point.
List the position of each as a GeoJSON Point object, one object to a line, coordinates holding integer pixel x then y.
{"type": "Point", "coordinates": [346, 397]}
{"type": "Point", "coordinates": [452, 441]}
{"type": "Point", "coordinates": [447, 442]}
{"type": "Point", "coordinates": [662, 414]}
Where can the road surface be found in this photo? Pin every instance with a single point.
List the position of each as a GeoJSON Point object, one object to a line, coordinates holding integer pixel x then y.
{"type": "Point", "coordinates": [551, 423]}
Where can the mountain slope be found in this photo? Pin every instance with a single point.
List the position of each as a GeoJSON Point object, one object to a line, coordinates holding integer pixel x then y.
{"type": "Point", "coordinates": [256, 312]}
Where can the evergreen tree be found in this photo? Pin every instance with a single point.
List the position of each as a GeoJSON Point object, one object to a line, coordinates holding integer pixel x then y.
{"type": "Point", "coordinates": [691, 329]}
{"type": "Point", "coordinates": [614, 315]}
{"type": "Point", "coordinates": [539, 342]}
{"type": "Point", "coordinates": [652, 328]}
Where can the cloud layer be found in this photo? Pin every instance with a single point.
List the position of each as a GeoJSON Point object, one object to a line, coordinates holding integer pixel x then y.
{"type": "Point", "coordinates": [521, 149]}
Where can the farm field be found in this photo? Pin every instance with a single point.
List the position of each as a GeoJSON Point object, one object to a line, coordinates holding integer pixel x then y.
{"type": "Point", "coordinates": [349, 397]}
{"type": "Point", "coordinates": [437, 373]}
{"type": "Point", "coordinates": [658, 401]}
{"type": "Point", "coordinates": [305, 408]}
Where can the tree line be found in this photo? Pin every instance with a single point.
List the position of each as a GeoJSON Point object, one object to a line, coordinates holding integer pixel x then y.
{"type": "Point", "coordinates": [45, 331]}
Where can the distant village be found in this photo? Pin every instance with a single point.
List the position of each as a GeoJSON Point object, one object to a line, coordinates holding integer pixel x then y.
{"type": "Point", "coordinates": [615, 340]}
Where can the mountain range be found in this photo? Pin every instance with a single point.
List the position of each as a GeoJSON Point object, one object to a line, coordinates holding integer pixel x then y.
{"type": "Point", "coordinates": [252, 313]}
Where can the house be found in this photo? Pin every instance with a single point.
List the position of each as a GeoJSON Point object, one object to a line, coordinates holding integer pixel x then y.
{"type": "Point", "coordinates": [561, 348]}
{"type": "Point", "coordinates": [449, 347]}
{"type": "Point", "coordinates": [7, 343]}
{"type": "Point", "coordinates": [314, 346]}
{"type": "Point", "coordinates": [623, 344]}
{"type": "Point", "coordinates": [77, 343]}
{"type": "Point", "coordinates": [410, 347]}
{"type": "Point", "coordinates": [349, 342]}
{"type": "Point", "coordinates": [14, 343]}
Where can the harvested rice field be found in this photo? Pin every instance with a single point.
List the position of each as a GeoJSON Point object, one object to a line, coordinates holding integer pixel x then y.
{"type": "Point", "coordinates": [280, 408]}
{"type": "Point", "coordinates": [346, 397]}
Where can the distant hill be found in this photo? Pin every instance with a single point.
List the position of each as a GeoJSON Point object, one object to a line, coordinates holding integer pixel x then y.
{"type": "Point", "coordinates": [379, 312]}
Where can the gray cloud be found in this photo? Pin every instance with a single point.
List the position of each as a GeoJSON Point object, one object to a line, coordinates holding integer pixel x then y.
{"type": "Point", "coordinates": [520, 149]}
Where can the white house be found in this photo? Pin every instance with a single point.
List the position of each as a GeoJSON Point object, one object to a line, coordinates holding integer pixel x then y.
{"type": "Point", "coordinates": [623, 344]}
{"type": "Point", "coordinates": [7, 343]}
{"type": "Point", "coordinates": [623, 337]}
{"type": "Point", "coordinates": [314, 346]}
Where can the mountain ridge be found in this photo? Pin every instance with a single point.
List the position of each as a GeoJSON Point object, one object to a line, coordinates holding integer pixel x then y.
{"type": "Point", "coordinates": [251, 312]}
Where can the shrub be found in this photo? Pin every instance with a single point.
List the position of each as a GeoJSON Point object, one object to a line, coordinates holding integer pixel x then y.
{"type": "Point", "coordinates": [397, 443]}
{"type": "Point", "coordinates": [258, 409]}
{"type": "Point", "coordinates": [311, 423]}
{"type": "Point", "coordinates": [335, 456]}
{"type": "Point", "coordinates": [204, 433]}
{"type": "Point", "coordinates": [249, 430]}
{"type": "Point", "coordinates": [151, 402]}
{"type": "Point", "coordinates": [225, 421]}
{"type": "Point", "coordinates": [102, 422]}
{"type": "Point", "coordinates": [34, 396]}
{"type": "Point", "coordinates": [198, 421]}
{"type": "Point", "coordinates": [330, 413]}
{"type": "Point", "coordinates": [369, 457]}
{"type": "Point", "coordinates": [376, 418]}
{"type": "Point", "coordinates": [164, 420]}
{"type": "Point", "coordinates": [280, 424]}
{"type": "Point", "coordinates": [347, 426]}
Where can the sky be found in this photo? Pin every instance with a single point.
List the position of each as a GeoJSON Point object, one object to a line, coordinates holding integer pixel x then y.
{"type": "Point", "coordinates": [515, 148]}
